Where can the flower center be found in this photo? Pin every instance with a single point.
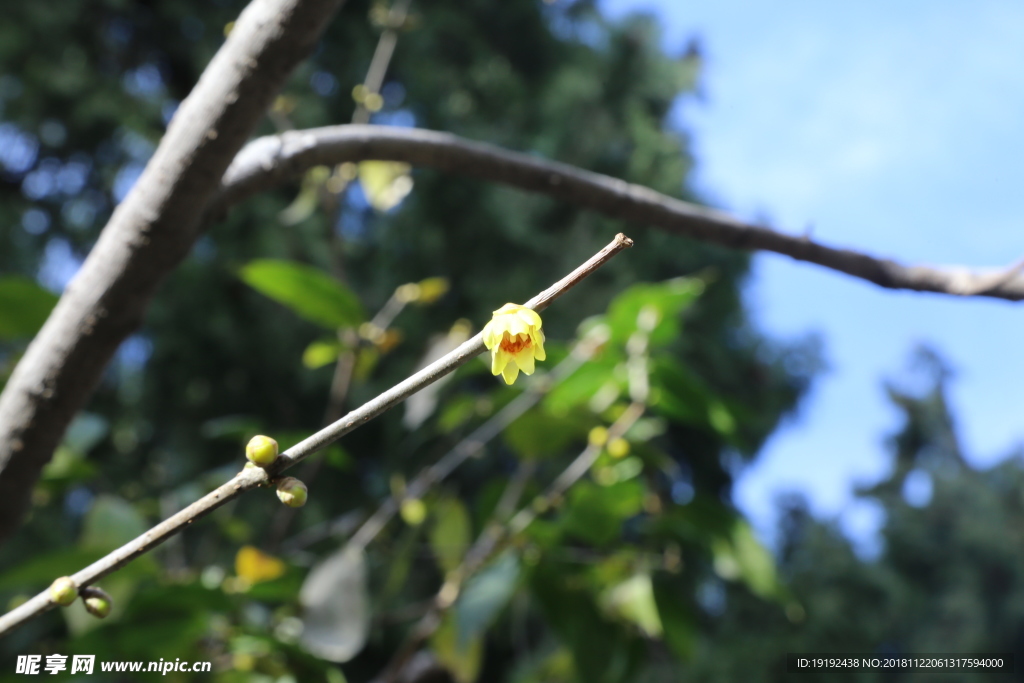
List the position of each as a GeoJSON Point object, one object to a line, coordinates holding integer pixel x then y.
{"type": "Point", "coordinates": [515, 344]}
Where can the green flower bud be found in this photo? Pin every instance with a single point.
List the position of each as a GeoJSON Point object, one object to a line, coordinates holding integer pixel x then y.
{"type": "Point", "coordinates": [262, 450]}
{"type": "Point", "coordinates": [413, 511]}
{"type": "Point", "coordinates": [97, 601]}
{"type": "Point", "coordinates": [292, 492]}
{"type": "Point", "coordinates": [63, 591]}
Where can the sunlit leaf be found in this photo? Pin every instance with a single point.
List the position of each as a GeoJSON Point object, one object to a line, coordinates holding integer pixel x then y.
{"type": "Point", "coordinates": [742, 556]}
{"type": "Point", "coordinates": [633, 600]}
{"type": "Point", "coordinates": [320, 353]}
{"type": "Point", "coordinates": [309, 292]}
{"type": "Point", "coordinates": [580, 387]}
{"type": "Point", "coordinates": [654, 306]}
{"type": "Point", "coordinates": [306, 202]}
{"type": "Point", "coordinates": [68, 466]}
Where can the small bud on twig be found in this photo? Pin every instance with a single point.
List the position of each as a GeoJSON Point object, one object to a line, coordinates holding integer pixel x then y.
{"type": "Point", "coordinates": [261, 450]}
{"type": "Point", "coordinates": [97, 601]}
{"type": "Point", "coordinates": [292, 492]}
{"type": "Point", "coordinates": [63, 591]}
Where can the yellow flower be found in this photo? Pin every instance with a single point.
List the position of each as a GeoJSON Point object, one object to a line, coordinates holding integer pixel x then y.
{"type": "Point", "coordinates": [514, 338]}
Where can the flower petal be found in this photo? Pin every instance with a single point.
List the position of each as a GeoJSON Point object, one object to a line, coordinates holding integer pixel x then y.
{"type": "Point", "coordinates": [525, 361]}
{"type": "Point", "coordinates": [530, 317]}
{"type": "Point", "coordinates": [515, 325]}
{"type": "Point", "coordinates": [507, 308]}
{"type": "Point", "coordinates": [491, 334]}
{"type": "Point", "coordinates": [510, 372]}
{"type": "Point", "coordinates": [499, 359]}
{"type": "Point", "coordinates": [538, 345]}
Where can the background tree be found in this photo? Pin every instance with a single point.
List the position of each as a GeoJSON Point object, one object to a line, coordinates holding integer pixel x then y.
{"type": "Point", "coordinates": [947, 578]}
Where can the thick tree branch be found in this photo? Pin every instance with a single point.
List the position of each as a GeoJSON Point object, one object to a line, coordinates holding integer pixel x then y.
{"type": "Point", "coordinates": [253, 477]}
{"type": "Point", "coordinates": [270, 161]}
{"type": "Point", "coordinates": [149, 233]}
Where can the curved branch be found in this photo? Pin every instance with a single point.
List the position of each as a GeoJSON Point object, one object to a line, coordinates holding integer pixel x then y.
{"type": "Point", "coordinates": [270, 161]}
{"type": "Point", "coordinates": [149, 233]}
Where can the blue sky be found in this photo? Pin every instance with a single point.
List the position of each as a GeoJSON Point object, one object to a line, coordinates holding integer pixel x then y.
{"type": "Point", "coordinates": [896, 128]}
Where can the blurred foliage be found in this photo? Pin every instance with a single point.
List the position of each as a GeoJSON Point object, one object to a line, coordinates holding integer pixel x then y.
{"type": "Point", "coordinates": [607, 582]}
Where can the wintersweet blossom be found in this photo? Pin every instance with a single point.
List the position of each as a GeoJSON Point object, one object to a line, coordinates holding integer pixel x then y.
{"type": "Point", "coordinates": [514, 338]}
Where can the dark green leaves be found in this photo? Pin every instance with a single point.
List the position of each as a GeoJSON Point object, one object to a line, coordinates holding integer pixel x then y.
{"type": "Point", "coordinates": [24, 306]}
{"type": "Point", "coordinates": [596, 513]}
{"type": "Point", "coordinates": [310, 293]}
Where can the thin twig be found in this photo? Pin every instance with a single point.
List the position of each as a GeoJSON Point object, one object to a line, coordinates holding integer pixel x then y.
{"type": "Point", "coordinates": [253, 477]}
{"type": "Point", "coordinates": [467, 448]}
{"type": "Point", "coordinates": [382, 56]}
{"type": "Point", "coordinates": [268, 162]}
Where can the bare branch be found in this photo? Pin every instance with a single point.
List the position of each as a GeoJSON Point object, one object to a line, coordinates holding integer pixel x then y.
{"type": "Point", "coordinates": [253, 477]}
{"type": "Point", "coordinates": [149, 233]}
{"type": "Point", "coordinates": [270, 161]}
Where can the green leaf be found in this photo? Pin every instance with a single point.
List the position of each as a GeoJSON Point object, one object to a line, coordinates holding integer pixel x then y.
{"type": "Point", "coordinates": [320, 353]}
{"type": "Point", "coordinates": [579, 387]}
{"type": "Point", "coordinates": [537, 434]}
{"type": "Point", "coordinates": [741, 556]}
{"type": "Point", "coordinates": [308, 292]}
{"type": "Point", "coordinates": [678, 625]}
{"type": "Point", "coordinates": [24, 307]}
{"type": "Point", "coordinates": [450, 532]}
{"type": "Point", "coordinates": [463, 660]}
{"type": "Point", "coordinates": [595, 513]}
{"type": "Point", "coordinates": [338, 458]}
{"type": "Point", "coordinates": [682, 396]}
{"type": "Point", "coordinates": [700, 521]}
{"type": "Point", "coordinates": [603, 651]}
{"type": "Point", "coordinates": [41, 570]}
{"type": "Point", "coordinates": [633, 600]}
{"type": "Point", "coordinates": [660, 304]}
{"type": "Point", "coordinates": [110, 523]}
{"type": "Point", "coordinates": [484, 596]}
{"type": "Point", "coordinates": [456, 412]}
{"type": "Point", "coordinates": [68, 466]}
